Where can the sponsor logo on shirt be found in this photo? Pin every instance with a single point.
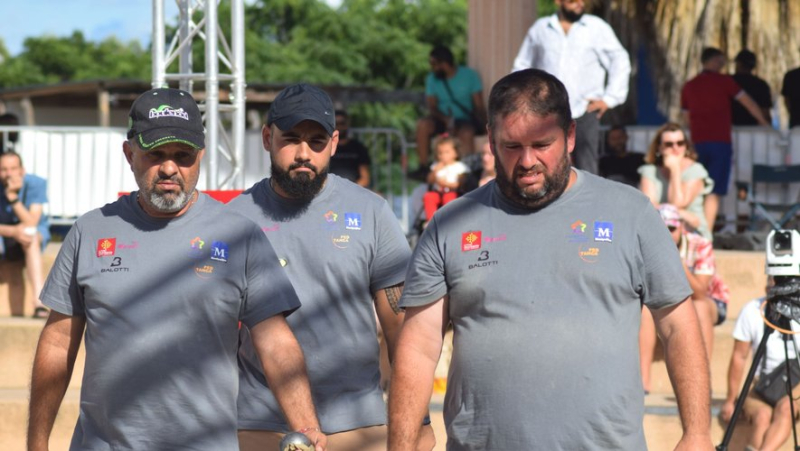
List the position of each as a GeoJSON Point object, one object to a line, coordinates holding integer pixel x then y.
{"type": "Point", "coordinates": [330, 216]}
{"type": "Point", "coordinates": [272, 228]}
{"type": "Point", "coordinates": [483, 261]}
{"type": "Point", "coordinates": [603, 231]}
{"type": "Point", "coordinates": [106, 247]}
{"type": "Point", "coordinates": [204, 272]}
{"type": "Point", "coordinates": [470, 241]}
{"type": "Point", "coordinates": [219, 251]}
{"type": "Point", "coordinates": [589, 254]}
{"type": "Point", "coordinates": [341, 241]}
{"type": "Point", "coordinates": [133, 245]}
{"type": "Point", "coordinates": [115, 266]}
{"type": "Point", "coordinates": [577, 232]}
{"type": "Point", "coordinates": [493, 239]}
{"type": "Point", "coordinates": [196, 247]}
{"type": "Point", "coordinates": [352, 221]}
{"type": "Point", "coordinates": [283, 262]}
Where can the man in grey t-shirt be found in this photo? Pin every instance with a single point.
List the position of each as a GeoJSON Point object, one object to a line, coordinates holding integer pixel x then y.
{"type": "Point", "coordinates": [158, 281]}
{"type": "Point", "coordinates": [543, 274]}
{"type": "Point", "coordinates": [346, 255]}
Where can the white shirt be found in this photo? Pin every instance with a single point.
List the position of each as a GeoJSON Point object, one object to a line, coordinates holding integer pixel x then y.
{"type": "Point", "coordinates": [450, 173]}
{"type": "Point", "coordinates": [750, 328]}
{"type": "Point", "coordinates": [580, 59]}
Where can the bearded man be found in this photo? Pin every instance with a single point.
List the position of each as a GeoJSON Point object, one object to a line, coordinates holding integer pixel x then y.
{"type": "Point", "coordinates": [158, 283]}
{"type": "Point", "coordinates": [343, 249]}
{"type": "Point", "coordinates": [582, 51]}
{"type": "Point", "coordinates": [543, 273]}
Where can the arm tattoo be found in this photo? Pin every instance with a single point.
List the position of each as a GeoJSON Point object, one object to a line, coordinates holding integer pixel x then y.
{"type": "Point", "coordinates": [393, 296]}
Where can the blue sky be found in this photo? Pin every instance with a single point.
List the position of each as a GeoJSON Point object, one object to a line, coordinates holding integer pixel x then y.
{"type": "Point", "coordinates": [98, 19]}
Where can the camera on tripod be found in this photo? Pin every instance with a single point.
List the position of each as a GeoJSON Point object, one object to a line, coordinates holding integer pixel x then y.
{"type": "Point", "coordinates": [783, 263]}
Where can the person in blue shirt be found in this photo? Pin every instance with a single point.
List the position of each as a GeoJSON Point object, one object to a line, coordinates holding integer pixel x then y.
{"type": "Point", "coordinates": [25, 232]}
{"type": "Point", "coordinates": [454, 96]}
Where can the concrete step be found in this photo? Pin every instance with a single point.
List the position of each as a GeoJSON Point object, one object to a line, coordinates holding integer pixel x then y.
{"type": "Point", "coordinates": [9, 307]}
{"type": "Point", "coordinates": [14, 420]}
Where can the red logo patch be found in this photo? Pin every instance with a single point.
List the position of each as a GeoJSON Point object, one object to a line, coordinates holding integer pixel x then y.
{"type": "Point", "coordinates": [470, 241]}
{"type": "Point", "coordinates": [106, 247]}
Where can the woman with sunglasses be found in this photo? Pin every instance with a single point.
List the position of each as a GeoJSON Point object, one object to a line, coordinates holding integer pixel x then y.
{"type": "Point", "coordinates": [672, 175]}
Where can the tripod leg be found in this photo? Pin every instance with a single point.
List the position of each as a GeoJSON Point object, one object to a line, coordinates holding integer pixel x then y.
{"type": "Point", "coordinates": [762, 349]}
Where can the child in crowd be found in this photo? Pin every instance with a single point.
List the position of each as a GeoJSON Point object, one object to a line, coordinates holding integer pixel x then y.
{"type": "Point", "coordinates": [445, 176]}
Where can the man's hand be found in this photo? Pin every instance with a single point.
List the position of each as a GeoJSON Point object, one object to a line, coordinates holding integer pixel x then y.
{"type": "Point", "coordinates": [13, 184]}
{"type": "Point", "coordinates": [597, 105]}
{"type": "Point", "coordinates": [22, 236]}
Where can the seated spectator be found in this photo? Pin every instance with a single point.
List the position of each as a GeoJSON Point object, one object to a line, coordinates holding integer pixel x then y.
{"type": "Point", "coordinates": [454, 96]}
{"type": "Point", "coordinates": [673, 175]}
{"type": "Point", "coordinates": [618, 164]}
{"type": "Point", "coordinates": [25, 231]}
{"type": "Point", "coordinates": [710, 294]}
{"type": "Point", "coordinates": [7, 142]}
{"type": "Point", "coordinates": [771, 426]}
{"type": "Point", "coordinates": [351, 160]}
{"type": "Point", "coordinates": [481, 175]}
{"type": "Point", "coordinates": [445, 177]}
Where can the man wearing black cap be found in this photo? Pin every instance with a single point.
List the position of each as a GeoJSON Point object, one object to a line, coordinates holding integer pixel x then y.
{"type": "Point", "coordinates": [158, 282]}
{"type": "Point", "coordinates": [754, 86]}
{"type": "Point", "coordinates": [344, 252]}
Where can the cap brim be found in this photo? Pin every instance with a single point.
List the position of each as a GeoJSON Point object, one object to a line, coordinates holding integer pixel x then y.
{"type": "Point", "coordinates": [289, 122]}
{"type": "Point", "coordinates": [153, 138]}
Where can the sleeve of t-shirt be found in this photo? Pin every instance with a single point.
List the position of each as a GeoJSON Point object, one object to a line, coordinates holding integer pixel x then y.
{"type": "Point", "coordinates": [744, 330]}
{"type": "Point", "coordinates": [661, 271]}
{"type": "Point", "coordinates": [425, 279]}
{"type": "Point", "coordinates": [37, 191]}
{"type": "Point", "coordinates": [61, 291]}
{"type": "Point", "coordinates": [732, 87]}
{"type": "Point", "coordinates": [429, 79]}
{"type": "Point", "coordinates": [268, 291]}
{"type": "Point", "coordinates": [685, 97]}
{"type": "Point", "coordinates": [392, 252]}
{"type": "Point", "coordinates": [475, 84]}
{"type": "Point", "coordinates": [363, 154]}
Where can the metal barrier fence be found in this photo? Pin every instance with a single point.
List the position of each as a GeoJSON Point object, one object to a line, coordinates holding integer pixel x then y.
{"type": "Point", "coordinates": [85, 167]}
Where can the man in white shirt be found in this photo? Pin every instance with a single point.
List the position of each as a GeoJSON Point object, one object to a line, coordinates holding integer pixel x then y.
{"type": "Point", "coordinates": [580, 50]}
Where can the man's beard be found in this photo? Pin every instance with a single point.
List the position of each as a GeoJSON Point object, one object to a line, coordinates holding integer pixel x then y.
{"type": "Point", "coordinates": [570, 16]}
{"type": "Point", "coordinates": [554, 184]}
{"type": "Point", "coordinates": [302, 186]}
{"type": "Point", "coordinates": [165, 202]}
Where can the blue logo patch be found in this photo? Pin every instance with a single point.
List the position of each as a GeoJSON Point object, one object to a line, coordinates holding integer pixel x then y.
{"type": "Point", "coordinates": [219, 251]}
{"type": "Point", "coordinates": [603, 231]}
{"type": "Point", "coordinates": [352, 221]}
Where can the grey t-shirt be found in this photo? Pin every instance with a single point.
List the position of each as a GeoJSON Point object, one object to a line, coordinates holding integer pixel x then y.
{"type": "Point", "coordinates": [162, 300]}
{"type": "Point", "coordinates": [546, 309]}
{"type": "Point", "coordinates": [338, 249]}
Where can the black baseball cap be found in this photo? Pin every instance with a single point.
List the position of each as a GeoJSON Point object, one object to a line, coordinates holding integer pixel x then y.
{"type": "Point", "coordinates": [166, 115]}
{"type": "Point", "coordinates": [302, 102]}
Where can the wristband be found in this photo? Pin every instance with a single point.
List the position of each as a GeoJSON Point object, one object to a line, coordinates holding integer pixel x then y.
{"type": "Point", "coordinates": [30, 231]}
{"type": "Point", "coordinates": [427, 420]}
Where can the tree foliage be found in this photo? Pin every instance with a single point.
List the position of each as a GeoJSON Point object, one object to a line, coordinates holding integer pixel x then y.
{"type": "Point", "coordinates": [50, 59]}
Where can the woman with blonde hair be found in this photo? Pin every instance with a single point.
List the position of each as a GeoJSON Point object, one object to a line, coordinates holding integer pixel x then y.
{"type": "Point", "coordinates": [672, 175]}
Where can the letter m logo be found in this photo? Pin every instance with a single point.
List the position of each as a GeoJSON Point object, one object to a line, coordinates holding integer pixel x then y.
{"type": "Point", "coordinates": [603, 231]}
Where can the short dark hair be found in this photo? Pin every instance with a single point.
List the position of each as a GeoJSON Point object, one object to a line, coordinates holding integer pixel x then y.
{"type": "Point", "coordinates": [533, 91]}
{"type": "Point", "coordinates": [443, 54]}
{"type": "Point", "coordinates": [710, 53]}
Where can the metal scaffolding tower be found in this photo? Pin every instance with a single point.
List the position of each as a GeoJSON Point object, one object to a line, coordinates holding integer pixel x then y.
{"type": "Point", "coordinates": [227, 142]}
